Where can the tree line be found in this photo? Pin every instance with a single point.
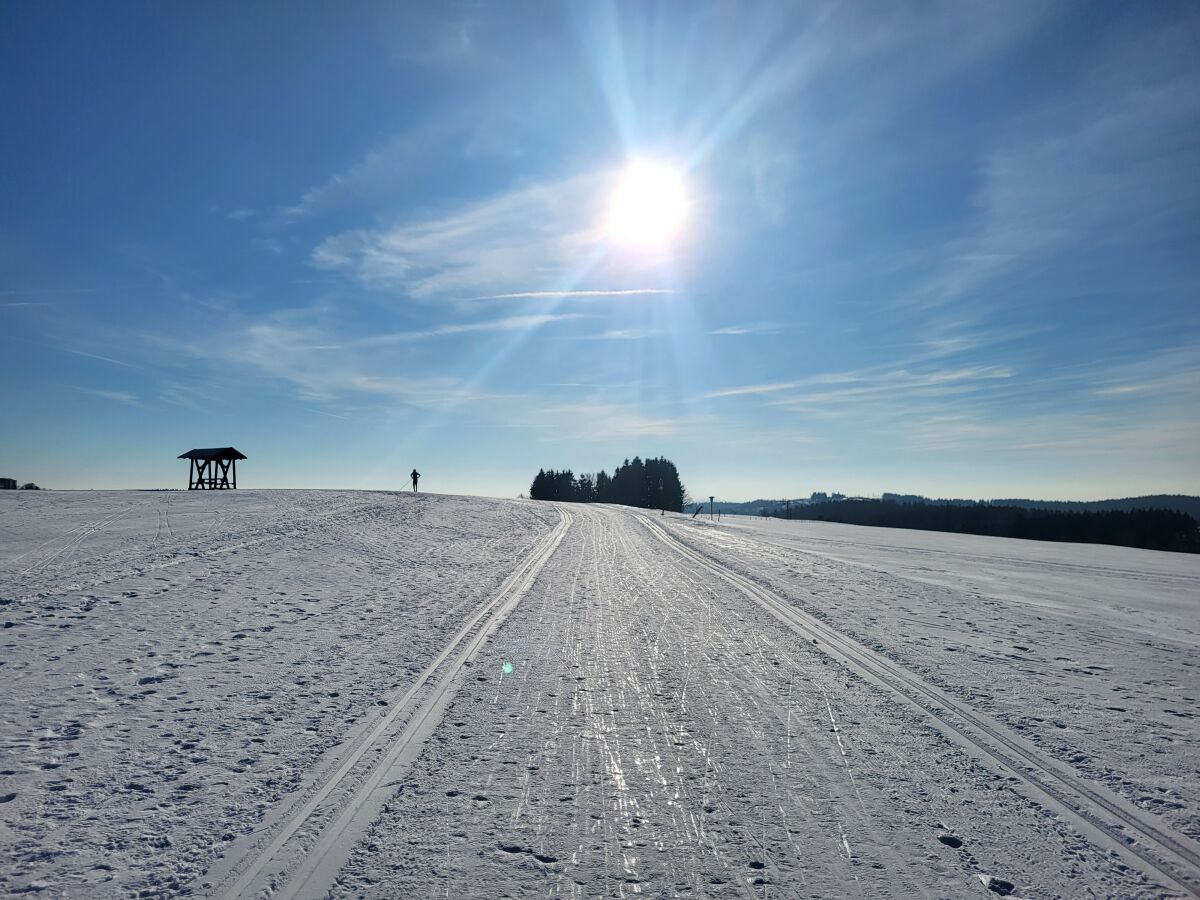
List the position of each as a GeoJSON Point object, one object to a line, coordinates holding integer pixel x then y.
{"type": "Point", "coordinates": [648, 484]}
{"type": "Point", "coordinates": [1151, 529]}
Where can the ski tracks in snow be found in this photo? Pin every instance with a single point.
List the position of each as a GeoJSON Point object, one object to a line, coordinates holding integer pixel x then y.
{"type": "Point", "coordinates": [1108, 820]}
{"type": "Point", "coordinates": [661, 736]}
{"type": "Point", "coordinates": [638, 748]}
{"type": "Point", "coordinates": [299, 850]}
{"type": "Point", "coordinates": [162, 702]}
{"type": "Point", "coordinates": [633, 711]}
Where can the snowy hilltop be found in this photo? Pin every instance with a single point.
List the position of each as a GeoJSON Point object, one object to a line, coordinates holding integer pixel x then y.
{"type": "Point", "coordinates": [371, 694]}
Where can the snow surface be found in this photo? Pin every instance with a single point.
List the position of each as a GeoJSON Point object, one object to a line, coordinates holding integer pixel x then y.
{"type": "Point", "coordinates": [304, 693]}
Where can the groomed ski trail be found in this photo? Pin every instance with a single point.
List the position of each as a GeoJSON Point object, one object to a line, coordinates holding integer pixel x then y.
{"type": "Point", "coordinates": [1108, 820]}
{"type": "Point", "coordinates": [301, 847]}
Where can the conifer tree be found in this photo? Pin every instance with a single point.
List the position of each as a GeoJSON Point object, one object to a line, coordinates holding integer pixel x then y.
{"type": "Point", "coordinates": [652, 483]}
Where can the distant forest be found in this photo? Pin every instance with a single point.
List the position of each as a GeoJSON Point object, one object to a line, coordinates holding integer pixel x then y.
{"type": "Point", "coordinates": [649, 484]}
{"type": "Point", "coordinates": [1151, 529]}
{"type": "Point", "coordinates": [1178, 502]}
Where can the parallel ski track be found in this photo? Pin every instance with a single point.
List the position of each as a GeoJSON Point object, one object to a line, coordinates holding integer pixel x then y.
{"type": "Point", "coordinates": [347, 815]}
{"type": "Point", "coordinates": [1110, 821]}
{"type": "Point", "coordinates": [76, 537]}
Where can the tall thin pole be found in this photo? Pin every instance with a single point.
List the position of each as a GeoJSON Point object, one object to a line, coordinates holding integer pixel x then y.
{"type": "Point", "coordinates": [710, 506]}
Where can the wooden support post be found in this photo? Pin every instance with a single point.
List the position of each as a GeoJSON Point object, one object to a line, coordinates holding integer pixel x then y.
{"type": "Point", "coordinates": [216, 473]}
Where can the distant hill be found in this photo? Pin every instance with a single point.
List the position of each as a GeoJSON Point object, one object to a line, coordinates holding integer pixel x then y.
{"type": "Point", "coordinates": [1150, 529]}
{"type": "Point", "coordinates": [1183, 503]}
{"type": "Point", "coordinates": [1175, 502]}
{"type": "Point", "coordinates": [749, 508]}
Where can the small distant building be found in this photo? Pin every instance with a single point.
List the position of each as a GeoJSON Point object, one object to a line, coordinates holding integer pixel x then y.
{"type": "Point", "coordinates": [212, 469]}
{"type": "Point", "coordinates": [8, 484]}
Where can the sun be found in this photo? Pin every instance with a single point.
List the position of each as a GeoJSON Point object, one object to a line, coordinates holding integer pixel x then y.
{"type": "Point", "coordinates": [649, 205]}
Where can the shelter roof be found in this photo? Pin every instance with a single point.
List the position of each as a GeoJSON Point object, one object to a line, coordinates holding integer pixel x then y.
{"type": "Point", "coordinates": [213, 453]}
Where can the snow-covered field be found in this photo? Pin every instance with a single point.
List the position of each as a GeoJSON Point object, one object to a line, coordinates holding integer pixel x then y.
{"type": "Point", "coordinates": [306, 693]}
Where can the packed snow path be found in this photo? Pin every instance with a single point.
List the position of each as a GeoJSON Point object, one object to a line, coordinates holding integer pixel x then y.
{"type": "Point", "coordinates": [382, 695]}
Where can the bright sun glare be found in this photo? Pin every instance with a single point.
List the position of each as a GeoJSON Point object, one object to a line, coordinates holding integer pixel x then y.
{"type": "Point", "coordinates": [649, 205]}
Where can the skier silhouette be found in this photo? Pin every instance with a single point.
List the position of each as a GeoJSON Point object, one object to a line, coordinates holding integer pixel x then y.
{"type": "Point", "coordinates": [415, 475]}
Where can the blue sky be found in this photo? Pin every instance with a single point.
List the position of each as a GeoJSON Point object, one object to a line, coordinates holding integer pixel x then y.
{"type": "Point", "coordinates": [948, 248]}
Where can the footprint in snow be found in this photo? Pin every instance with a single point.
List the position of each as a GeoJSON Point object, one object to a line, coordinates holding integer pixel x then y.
{"type": "Point", "coordinates": [997, 885]}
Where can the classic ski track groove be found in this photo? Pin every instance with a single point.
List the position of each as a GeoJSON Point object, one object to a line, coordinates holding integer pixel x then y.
{"type": "Point", "coordinates": [320, 865]}
{"type": "Point", "coordinates": [1174, 859]}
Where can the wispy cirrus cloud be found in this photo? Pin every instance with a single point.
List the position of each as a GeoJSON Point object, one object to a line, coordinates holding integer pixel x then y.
{"type": "Point", "coordinates": [1147, 404]}
{"type": "Point", "coordinates": [748, 329]}
{"type": "Point", "coordinates": [871, 381]}
{"type": "Point", "coordinates": [538, 231]}
{"type": "Point", "coordinates": [507, 323]}
{"type": "Point", "coordinates": [624, 334]}
{"type": "Point", "coordinates": [287, 349]}
{"type": "Point", "coordinates": [115, 396]}
{"type": "Point", "coordinates": [319, 361]}
{"type": "Point", "coordinates": [1169, 377]}
{"type": "Point", "coordinates": [390, 173]}
{"type": "Point", "coordinates": [339, 375]}
{"type": "Point", "coordinates": [1096, 168]}
{"type": "Point", "coordinates": [571, 295]}
{"type": "Point", "coordinates": [302, 352]}
{"type": "Point", "coordinates": [107, 359]}
{"type": "Point", "coordinates": [541, 241]}
{"type": "Point", "coordinates": [745, 389]}
{"type": "Point", "coordinates": [382, 171]}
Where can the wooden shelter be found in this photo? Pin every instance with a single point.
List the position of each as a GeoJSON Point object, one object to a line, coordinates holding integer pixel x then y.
{"type": "Point", "coordinates": [212, 469]}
